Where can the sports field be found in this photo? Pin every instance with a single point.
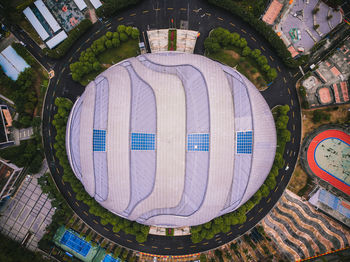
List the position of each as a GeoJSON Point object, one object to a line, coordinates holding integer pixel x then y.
{"type": "Point", "coordinates": [328, 157]}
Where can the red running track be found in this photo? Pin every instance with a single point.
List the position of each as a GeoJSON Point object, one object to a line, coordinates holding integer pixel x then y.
{"type": "Point", "coordinates": [331, 133]}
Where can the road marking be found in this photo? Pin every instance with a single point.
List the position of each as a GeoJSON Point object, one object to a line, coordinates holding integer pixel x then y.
{"type": "Point", "coordinates": [293, 127]}
{"type": "Point", "coordinates": [268, 201]}
{"type": "Point", "coordinates": [293, 140]}
{"type": "Point", "coordinates": [262, 48]}
{"type": "Point", "coordinates": [57, 170]}
{"type": "Point", "coordinates": [129, 240]}
{"type": "Point", "coordinates": [157, 9]}
{"type": "Point", "coordinates": [78, 49]}
{"type": "Point", "coordinates": [240, 226]}
{"type": "Point", "coordinates": [193, 246]}
{"type": "Point", "coordinates": [154, 247]}
{"type": "Point", "coordinates": [218, 239]}
{"type": "Point", "coordinates": [220, 19]}
{"type": "Point", "coordinates": [253, 39]}
{"type": "Point", "coordinates": [180, 248]}
{"type": "Point", "coordinates": [77, 203]}
{"type": "Point", "coordinates": [95, 221]}
{"type": "Point", "coordinates": [282, 177]}
{"type": "Point", "coordinates": [62, 181]}
{"type": "Point", "coordinates": [250, 219]}
{"type": "Point", "coordinates": [133, 14]}
{"type": "Point", "coordinates": [117, 235]}
{"type": "Point", "coordinates": [167, 248]}
{"type": "Point", "coordinates": [70, 59]}
{"type": "Point", "coordinates": [86, 213]}
{"type": "Point", "coordinates": [229, 233]}
{"type": "Point", "coordinates": [108, 229]}
{"type": "Point", "coordinates": [243, 31]}
{"type": "Point", "coordinates": [170, 8]}
{"type": "Point", "coordinates": [208, 14]}
{"type": "Point", "coordinates": [293, 114]}
{"type": "Point", "coordinates": [109, 24]}
{"type": "Point", "coordinates": [291, 101]}
{"type": "Point", "coordinates": [291, 153]}
{"type": "Point", "coordinates": [183, 9]}
{"type": "Point", "coordinates": [141, 244]}
{"type": "Point", "coordinates": [289, 92]}
{"type": "Point", "coordinates": [261, 209]}
{"type": "Point", "coordinates": [120, 18]}
{"type": "Point", "coordinates": [276, 189]}
{"type": "Point", "coordinates": [232, 24]}
{"type": "Point", "coordinates": [271, 58]}
{"type": "Point", "coordinates": [109, 27]}
{"type": "Point", "coordinates": [284, 79]}
{"type": "Point", "coordinates": [206, 243]}
{"type": "Point", "coordinates": [278, 68]}
{"type": "Point", "coordinates": [69, 193]}
{"type": "Point", "coordinates": [296, 74]}
{"type": "Point", "coordinates": [145, 11]}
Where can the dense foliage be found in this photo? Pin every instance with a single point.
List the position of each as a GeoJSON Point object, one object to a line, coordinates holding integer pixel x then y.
{"type": "Point", "coordinates": [110, 7]}
{"type": "Point", "coordinates": [222, 38]}
{"type": "Point", "coordinates": [73, 36]}
{"type": "Point", "coordinates": [28, 153]}
{"type": "Point", "coordinates": [88, 61]}
{"type": "Point", "coordinates": [62, 213]}
{"type": "Point", "coordinates": [12, 251]}
{"type": "Point", "coordinates": [265, 30]}
{"type": "Point", "coordinates": [224, 223]}
{"type": "Point", "coordinates": [60, 120]}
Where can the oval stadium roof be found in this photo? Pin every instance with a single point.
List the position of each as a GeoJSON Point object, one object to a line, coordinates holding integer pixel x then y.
{"type": "Point", "coordinates": [171, 139]}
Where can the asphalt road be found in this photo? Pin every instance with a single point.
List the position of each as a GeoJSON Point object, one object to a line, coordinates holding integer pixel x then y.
{"type": "Point", "coordinates": [151, 14]}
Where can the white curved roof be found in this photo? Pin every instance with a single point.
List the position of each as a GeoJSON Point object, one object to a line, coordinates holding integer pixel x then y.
{"type": "Point", "coordinates": [171, 139]}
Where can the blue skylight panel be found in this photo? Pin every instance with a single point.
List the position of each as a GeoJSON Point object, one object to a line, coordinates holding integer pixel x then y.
{"type": "Point", "coordinates": [142, 141]}
{"type": "Point", "coordinates": [198, 142]}
{"type": "Point", "coordinates": [244, 142]}
{"type": "Point", "coordinates": [99, 140]}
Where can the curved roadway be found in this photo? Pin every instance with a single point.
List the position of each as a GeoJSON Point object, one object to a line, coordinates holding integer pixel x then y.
{"type": "Point", "coordinates": [158, 14]}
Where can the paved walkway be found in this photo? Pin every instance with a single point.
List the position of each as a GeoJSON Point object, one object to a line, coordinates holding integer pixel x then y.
{"type": "Point", "coordinates": [28, 211]}
{"type": "Point", "coordinates": [301, 231]}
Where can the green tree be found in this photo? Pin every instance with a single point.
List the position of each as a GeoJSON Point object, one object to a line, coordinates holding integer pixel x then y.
{"type": "Point", "coordinates": [123, 37]}
{"type": "Point", "coordinates": [246, 51]}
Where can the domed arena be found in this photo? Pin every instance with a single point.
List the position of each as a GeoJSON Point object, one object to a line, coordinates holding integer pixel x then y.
{"type": "Point", "coordinates": [171, 139]}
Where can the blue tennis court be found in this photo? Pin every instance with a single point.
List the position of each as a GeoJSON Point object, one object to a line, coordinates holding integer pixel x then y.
{"type": "Point", "coordinates": [198, 142]}
{"type": "Point", "coordinates": [109, 258]}
{"type": "Point", "coordinates": [75, 243]}
{"type": "Point", "coordinates": [142, 141]}
{"type": "Point", "coordinates": [244, 142]}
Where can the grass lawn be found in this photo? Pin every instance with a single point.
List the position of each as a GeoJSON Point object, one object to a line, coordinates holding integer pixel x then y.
{"type": "Point", "coordinates": [115, 55]}
{"type": "Point", "coordinates": [248, 67]}
{"type": "Point", "coordinates": [112, 56]}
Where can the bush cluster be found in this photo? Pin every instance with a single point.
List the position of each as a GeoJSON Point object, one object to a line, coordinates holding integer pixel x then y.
{"type": "Point", "coordinates": [110, 7]}
{"type": "Point", "coordinates": [73, 36]}
{"type": "Point", "coordinates": [60, 120]}
{"type": "Point", "coordinates": [23, 52]}
{"type": "Point", "coordinates": [320, 115]}
{"type": "Point", "coordinates": [224, 223]}
{"type": "Point", "coordinates": [172, 40]}
{"type": "Point", "coordinates": [265, 30]}
{"type": "Point", "coordinates": [222, 38]}
{"type": "Point", "coordinates": [88, 61]}
{"type": "Point", "coordinates": [304, 102]}
{"type": "Point", "coordinates": [62, 212]}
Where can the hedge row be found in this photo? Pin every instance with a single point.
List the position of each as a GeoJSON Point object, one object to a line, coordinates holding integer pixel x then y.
{"type": "Point", "coordinates": [265, 30]}
{"type": "Point", "coordinates": [222, 38]}
{"type": "Point", "coordinates": [60, 120]}
{"type": "Point", "coordinates": [110, 7]}
{"type": "Point", "coordinates": [88, 59]}
{"type": "Point", "coordinates": [224, 223]}
{"type": "Point", "coordinates": [73, 36]}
